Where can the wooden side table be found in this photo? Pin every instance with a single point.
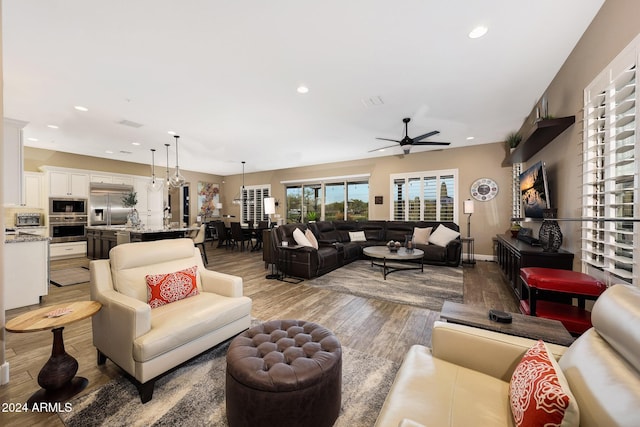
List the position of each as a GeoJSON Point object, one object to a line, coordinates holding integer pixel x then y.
{"type": "Point", "coordinates": [471, 260]}
{"type": "Point", "coordinates": [57, 376]}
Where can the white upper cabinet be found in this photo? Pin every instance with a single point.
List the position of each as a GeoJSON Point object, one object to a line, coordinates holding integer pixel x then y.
{"type": "Point", "coordinates": [111, 179]}
{"type": "Point", "coordinates": [12, 161]}
{"type": "Point", "coordinates": [68, 184]}
{"type": "Point", "coordinates": [33, 194]}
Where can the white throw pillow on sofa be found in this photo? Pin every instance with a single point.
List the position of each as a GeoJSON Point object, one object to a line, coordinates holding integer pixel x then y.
{"type": "Point", "coordinates": [300, 238]}
{"type": "Point", "coordinates": [442, 235]}
{"type": "Point", "coordinates": [357, 236]}
{"type": "Point", "coordinates": [421, 235]}
{"type": "Point", "coordinates": [312, 239]}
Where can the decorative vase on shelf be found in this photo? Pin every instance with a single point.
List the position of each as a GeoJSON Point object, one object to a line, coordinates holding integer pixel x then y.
{"type": "Point", "coordinates": [550, 235]}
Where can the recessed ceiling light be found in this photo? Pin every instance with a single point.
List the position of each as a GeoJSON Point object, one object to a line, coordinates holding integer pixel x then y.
{"type": "Point", "coordinates": [469, 138]}
{"type": "Point", "coordinates": [135, 143]}
{"type": "Point", "coordinates": [32, 139]}
{"type": "Point", "coordinates": [303, 89]}
{"type": "Point", "coordinates": [81, 108]}
{"type": "Point", "coordinates": [108, 151]}
{"type": "Point", "coordinates": [478, 32]}
{"type": "Point", "coordinates": [171, 132]}
{"type": "Point", "coordinates": [52, 126]}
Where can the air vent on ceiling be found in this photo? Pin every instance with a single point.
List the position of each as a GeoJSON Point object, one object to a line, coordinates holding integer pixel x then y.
{"type": "Point", "coordinates": [373, 101]}
{"type": "Point", "coordinates": [130, 123]}
{"type": "Point", "coordinates": [125, 152]}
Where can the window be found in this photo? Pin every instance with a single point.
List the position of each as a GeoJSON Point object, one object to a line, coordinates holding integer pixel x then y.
{"type": "Point", "coordinates": [335, 199]}
{"type": "Point", "coordinates": [426, 196]}
{"type": "Point", "coordinates": [610, 182]}
{"type": "Point", "coordinates": [252, 210]}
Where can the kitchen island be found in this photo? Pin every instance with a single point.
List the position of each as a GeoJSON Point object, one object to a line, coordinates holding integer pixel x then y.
{"type": "Point", "coordinates": [26, 269]}
{"type": "Point", "coordinates": [102, 238]}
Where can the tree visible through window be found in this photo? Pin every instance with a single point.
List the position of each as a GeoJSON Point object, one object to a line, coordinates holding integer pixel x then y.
{"type": "Point", "coordinates": [329, 201]}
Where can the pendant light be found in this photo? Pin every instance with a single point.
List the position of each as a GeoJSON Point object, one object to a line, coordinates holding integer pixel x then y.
{"type": "Point", "coordinates": [154, 184]}
{"type": "Point", "coordinates": [240, 197]}
{"type": "Point", "coordinates": [177, 180]}
{"type": "Point", "coordinates": [167, 178]}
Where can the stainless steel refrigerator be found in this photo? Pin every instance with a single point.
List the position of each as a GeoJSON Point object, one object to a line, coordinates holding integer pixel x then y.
{"type": "Point", "coordinates": [105, 204]}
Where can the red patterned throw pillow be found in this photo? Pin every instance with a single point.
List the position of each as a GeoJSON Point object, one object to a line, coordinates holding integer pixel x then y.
{"type": "Point", "coordinates": [539, 394]}
{"type": "Point", "coordinates": [167, 288]}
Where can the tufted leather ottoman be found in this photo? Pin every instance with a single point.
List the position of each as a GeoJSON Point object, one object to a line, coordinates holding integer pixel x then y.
{"type": "Point", "coordinates": [284, 373]}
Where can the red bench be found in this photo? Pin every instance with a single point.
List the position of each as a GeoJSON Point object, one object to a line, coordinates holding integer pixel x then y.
{"type": "Point", "coordinates": [567, 283]}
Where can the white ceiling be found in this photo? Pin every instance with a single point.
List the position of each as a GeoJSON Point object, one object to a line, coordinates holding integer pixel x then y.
{"type": "Point", "coordinates": [223, 75]}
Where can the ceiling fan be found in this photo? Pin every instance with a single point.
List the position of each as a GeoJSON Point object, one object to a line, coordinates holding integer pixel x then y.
{"type": "Point", "coordinates": [406, 143]}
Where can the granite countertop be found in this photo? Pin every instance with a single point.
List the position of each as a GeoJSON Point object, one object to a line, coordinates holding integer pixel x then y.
{"type": "Point", "coordinates": [140, 230]}
{"type": "Point", "coordinates": [24, 237]}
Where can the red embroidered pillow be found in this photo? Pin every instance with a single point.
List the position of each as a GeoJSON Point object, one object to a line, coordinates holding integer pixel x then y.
{"type": "Point", "coordinates": [167, 288]}
{"type": "Point", "coordinates": [539, 393]}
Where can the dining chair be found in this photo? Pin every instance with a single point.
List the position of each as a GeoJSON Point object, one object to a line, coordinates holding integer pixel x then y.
{"type": "Point", "coordinates": [223, 234]}
{"type": "Point", "coordinates": [238, 235]}
{"type": "Point", "coordinates": [198, 241]}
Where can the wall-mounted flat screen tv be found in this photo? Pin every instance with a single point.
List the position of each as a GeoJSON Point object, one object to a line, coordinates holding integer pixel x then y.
{"type": "Point", "coordinates": [534, 191]}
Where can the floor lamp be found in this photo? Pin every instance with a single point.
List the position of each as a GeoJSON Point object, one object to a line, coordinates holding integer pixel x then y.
{"type": "Point", "coordinates": [270, 209]}
{"type": "Point", "coordinates": [468, 210]}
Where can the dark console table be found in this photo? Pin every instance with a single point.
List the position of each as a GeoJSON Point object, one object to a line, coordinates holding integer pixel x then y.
{"type": "Point", "coordinates": [514, 254]}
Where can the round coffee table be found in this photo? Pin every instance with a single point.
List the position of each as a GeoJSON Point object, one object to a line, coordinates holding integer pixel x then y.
{"type": "Point", "coordinates": [57, 377]}
{"type": "Point", "coordinates": [402, 259]}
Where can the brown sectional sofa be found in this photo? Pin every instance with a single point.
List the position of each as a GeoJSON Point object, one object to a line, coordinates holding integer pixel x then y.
{"type": "Point", "coordinates": [336, 249]}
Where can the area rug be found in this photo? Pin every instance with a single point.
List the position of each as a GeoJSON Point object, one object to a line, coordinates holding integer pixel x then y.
{"type": "Point", "coordinates": [69, 276]}
{"type": "Point", "coordinates": [193, 395]}
{"type": "Point", "coordinates": [428, 289]}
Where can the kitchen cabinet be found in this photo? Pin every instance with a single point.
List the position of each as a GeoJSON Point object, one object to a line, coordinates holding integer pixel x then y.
{"type": "Point", "coordinates": [26, 272]}
{"type": "Point", "coordinates": [150, 203]}
{"type": "Point", "coordinates": [104, 179]}
{"type": "Point", "coordinates": [12, 161]}
{"type": "Point", "coordinates": [68, 184]}
{"type": "Point", "coordinates": [33, 194]}
{"type": "Point", "coordinates": [111, 179]}
{"type": "Point", "coordinates": [68, 250]}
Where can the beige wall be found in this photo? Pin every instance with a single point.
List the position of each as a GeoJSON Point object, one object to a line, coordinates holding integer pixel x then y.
{"type": "Point", "coordinates": [480, 161]}
{"type": "Point", "coordinates": [612, 29]}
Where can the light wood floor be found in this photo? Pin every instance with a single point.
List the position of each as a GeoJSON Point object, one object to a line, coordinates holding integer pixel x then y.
{"type": "Point", "coordinates": [381, 328]}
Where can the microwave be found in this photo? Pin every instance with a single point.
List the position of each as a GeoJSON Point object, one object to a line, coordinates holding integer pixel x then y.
{"type": "Point", "coordinates": [67, 206]}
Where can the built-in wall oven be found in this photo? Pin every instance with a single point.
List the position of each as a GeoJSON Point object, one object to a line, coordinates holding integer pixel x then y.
{"type": "Point", "coordinates": [67, 220]}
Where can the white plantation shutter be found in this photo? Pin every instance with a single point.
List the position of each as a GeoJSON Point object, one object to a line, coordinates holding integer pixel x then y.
{"type": "Point", "coordinates": [426, 196]}
{"type": "Point", "coordinates": [252, 210]}
{"type": "Point", "coordinates": [610, 183]}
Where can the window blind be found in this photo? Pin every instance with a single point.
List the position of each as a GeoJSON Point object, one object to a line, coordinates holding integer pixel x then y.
{"type": "Point", "coordinates": [610, 184]}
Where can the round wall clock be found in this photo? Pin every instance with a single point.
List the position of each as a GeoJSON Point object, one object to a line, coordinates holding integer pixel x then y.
{"type": "Point", "coordinates": [484, 189]}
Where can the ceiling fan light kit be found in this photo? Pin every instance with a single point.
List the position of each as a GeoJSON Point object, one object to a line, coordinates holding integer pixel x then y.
{"type": "Point", "coordinates": [407, 142]}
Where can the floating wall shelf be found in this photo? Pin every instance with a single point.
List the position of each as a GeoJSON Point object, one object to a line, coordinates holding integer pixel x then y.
{"type": "Point", "coordinates": [542, 133]}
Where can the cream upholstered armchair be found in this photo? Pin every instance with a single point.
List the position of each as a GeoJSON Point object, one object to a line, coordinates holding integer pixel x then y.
{"type": "Point", "coordinates": [147, 342]}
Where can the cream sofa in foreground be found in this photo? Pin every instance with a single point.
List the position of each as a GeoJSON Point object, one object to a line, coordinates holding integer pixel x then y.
{"type": "Point", "coordinates": [148, 342]}
{"type": "Point", "coordinates": [464, 379]}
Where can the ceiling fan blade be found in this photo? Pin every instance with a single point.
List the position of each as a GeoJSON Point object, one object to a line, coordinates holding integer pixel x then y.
{"type": "Point", "coordinates": [426, 135]}
{"type": "Point", "coordinates": [382, 148]}
{"type": "Point", "coordinates": [430, 143]}
{"type": "Point", "coordinates": [387, 139]}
